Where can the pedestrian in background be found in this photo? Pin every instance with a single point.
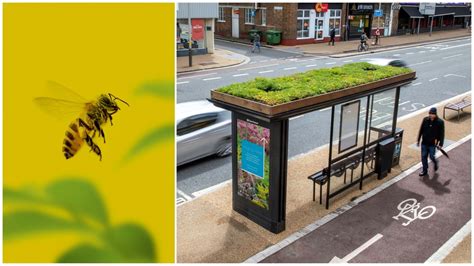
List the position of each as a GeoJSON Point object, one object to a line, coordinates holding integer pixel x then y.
{"type": "Point", "coordinates": [332, 34]}
{"type": "Point", "coordinates": [377, 36]}
{"type": "Point", "coordinates": [432, 134]}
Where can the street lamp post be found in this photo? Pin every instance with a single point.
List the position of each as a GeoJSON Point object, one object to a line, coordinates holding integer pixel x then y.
{"type": "Point", "coordinates": [190, 42]}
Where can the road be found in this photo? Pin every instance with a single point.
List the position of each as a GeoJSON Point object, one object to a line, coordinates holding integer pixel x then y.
{"type": "Point", "coordinates": [443, 71]}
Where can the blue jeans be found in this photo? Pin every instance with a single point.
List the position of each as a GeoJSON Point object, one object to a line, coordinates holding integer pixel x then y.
{"type": "Point", "coordinates": [425, 151]}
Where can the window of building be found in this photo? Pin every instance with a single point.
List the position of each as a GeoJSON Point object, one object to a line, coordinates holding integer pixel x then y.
{"type": "Point", "coordinates": [249, 19]}
{"type": "Point", "coordinates": [264, 16]}
{"type": "Point", "coordinates": [303, 24]}
{"type": "Point", "coordinates": [221, 15]}
{"type": "Point", "coordinates": [335, 20]}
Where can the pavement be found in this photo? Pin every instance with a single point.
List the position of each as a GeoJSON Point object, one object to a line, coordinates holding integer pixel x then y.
{"type": "Point", "coordinates": [220, 58]}
{"type": "Point", "coordinates": [347, 48]}
{"type": "Point", "coordinates": [208, 230]}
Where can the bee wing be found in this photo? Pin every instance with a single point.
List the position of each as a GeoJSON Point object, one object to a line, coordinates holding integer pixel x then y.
{"type": "Point", "coordinates": [62, 92]}
{"type": "Point", "coordinates": [61, 109]}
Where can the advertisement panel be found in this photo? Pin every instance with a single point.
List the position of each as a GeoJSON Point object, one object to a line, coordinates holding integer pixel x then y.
{"type": "Point", "coordinates": [198, 29]}
{"type": "Point", "coordinates": [253, 151]}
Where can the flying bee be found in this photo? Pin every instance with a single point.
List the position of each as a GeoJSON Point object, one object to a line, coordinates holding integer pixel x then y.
{"type": "Point", "coordinates": [90, 116]}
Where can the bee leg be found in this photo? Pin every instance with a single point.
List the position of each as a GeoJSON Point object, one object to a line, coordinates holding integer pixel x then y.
{"type": "Point", "coordinates": [84, 124]}
{"type": "Point", "coordinates": [101, 132]}
{"type": "Point", "coordinates": [93, 146]}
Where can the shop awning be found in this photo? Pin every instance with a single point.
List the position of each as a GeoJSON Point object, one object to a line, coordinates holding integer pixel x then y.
{"type": "Point", "coordinates": [462, 11]}
{"type": "Point", "coordinates": [412, 11]}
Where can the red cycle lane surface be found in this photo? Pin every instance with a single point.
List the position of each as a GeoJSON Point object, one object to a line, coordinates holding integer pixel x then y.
{"type": "Point", "coordinates": [448, 191]}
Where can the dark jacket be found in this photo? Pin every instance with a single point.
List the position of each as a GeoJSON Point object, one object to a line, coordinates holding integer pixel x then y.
{"type": "Point", "coordinates": [332, 34]}
{"type": "Point", "coordinates": [431, 131]}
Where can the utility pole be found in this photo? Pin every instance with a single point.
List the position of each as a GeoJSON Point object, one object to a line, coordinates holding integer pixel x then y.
{"type": "Point", "coordinates": [431, 26]}
{"type": "Point", "coordinates": [190, 33]}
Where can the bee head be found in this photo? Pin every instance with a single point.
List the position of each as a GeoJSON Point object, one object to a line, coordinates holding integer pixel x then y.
{"type": "Point", "coordinates": [109, 102]}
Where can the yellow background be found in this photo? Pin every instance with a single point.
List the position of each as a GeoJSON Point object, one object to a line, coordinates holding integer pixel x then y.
{"type": "Point", "coordinates": [92, 49]}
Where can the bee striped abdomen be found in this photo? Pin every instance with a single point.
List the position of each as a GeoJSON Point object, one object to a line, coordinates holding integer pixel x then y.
{"type": "Point", "coordinates": [72, 142]}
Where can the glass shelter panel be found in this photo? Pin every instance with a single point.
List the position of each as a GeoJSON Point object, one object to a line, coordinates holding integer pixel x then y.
{"type": "Point", "coordinates": [381, 116]}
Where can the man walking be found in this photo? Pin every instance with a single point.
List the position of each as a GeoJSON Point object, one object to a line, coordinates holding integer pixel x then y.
{"type": "Point", "coordinates": [332, 34]}
{"type": "Point", "coordinates": [432, 132]}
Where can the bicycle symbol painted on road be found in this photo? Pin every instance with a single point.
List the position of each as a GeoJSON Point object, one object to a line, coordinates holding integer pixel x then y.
{"type": "Point", "coordinates": [409, 211]}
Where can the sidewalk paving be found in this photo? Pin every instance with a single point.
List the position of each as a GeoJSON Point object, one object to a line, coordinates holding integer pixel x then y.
{"type": "Point", "coordinates": [340, 48]}
{"type": "Point", "coordinates": [220, 58]}
{"type": "Point", "coordinates": [208, 230]}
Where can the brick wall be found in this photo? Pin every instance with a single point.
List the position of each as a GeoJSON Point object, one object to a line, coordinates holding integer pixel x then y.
{"type": "Point", "coordinates": [395, 22]}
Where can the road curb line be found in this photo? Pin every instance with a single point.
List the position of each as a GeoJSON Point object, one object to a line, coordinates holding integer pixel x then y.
{"type": "Point", "coordinates": [332, 215]}
{"type": "Point", "coordinates": [243, 62]}
{"type": "Point", "coordinates": [449, 246]}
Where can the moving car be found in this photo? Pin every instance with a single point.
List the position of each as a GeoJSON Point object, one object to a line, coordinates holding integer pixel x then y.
{"type": "Point", "coordinates": [202, 130]}
{"type": "Point", "coordinates": [387, 62]}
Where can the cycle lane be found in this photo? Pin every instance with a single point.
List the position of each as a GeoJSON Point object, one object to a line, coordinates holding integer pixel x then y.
{"type": "Point", "coordinates": [369, 233]}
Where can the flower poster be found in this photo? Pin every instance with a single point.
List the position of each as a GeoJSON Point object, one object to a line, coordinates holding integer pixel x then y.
{"type": "Point", "coordinates": [253, 153]}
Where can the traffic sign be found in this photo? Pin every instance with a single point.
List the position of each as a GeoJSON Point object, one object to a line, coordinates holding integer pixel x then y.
{"type": "Point", "coordinates": [378, 13]}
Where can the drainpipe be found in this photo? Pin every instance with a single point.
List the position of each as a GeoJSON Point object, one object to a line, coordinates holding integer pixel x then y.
{"type": "Point", "coordinates": [390, 22]}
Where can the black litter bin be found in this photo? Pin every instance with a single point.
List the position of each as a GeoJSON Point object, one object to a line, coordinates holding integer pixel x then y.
{"type": "Point", "coordinates": [384, 158]}
{"type": "Point", "coordinates": [398, 146]}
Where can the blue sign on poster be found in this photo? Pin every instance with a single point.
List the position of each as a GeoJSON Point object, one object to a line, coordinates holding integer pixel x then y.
{"type": "Point", "coordinates": [378, 13]}
{"type": "Point", "coordinates": [252, 13]}
{"type": "Point", "coordinates": [253, 158]}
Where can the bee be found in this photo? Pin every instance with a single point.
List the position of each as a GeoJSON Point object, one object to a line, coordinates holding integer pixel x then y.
{"type": "Point", "coordinates": [90, 116]}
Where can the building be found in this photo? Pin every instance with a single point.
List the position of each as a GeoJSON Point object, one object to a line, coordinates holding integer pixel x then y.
{"type": "Point", "coordinates": [300, 23]}
{"type": "Point", "coordinates": [202, 17]}
{"type": "Point", "coordinates": [446, 17]}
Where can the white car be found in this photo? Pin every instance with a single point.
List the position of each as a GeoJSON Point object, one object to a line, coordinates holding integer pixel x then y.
{"type": "Point", "coordinates": [202, 130]}
{"type": "Point", "coordinates": [387, 62]}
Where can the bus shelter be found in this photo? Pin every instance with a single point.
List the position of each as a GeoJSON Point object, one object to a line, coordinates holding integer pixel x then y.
{"type": "Point", "coordinates": [260, 144]}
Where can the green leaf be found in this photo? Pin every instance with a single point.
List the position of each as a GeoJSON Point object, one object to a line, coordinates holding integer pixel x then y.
{"type": "Point", "coordinates": [132, 242]}
{"type": "Point", "coordinates": [85, 253]}
{"type": "Point", "coordinates": [160, 89]}
{"type": "Point", "coordinates": [22, 223]}
{"type": "Point", "coordinates": [157, 135]}
{"type": "Point", "coordinates": [20, 196]}
{"type": "Point", "coordinates": [80, 198]}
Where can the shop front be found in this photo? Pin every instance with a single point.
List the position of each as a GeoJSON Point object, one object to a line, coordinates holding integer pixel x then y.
{"type": "Point", "coordinates": [315, 21]}
{"type": "Point", "coordinates": [360, 19]}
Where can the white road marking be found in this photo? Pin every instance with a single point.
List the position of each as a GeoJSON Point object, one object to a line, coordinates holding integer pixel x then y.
{"type": "Point", "coordinates": [184, 195]}
{"type": "Point", "coordinates": [208, 79]}
{"type": "Point", "coordinates": [311, 65]}
{"type": "Point", "coordinates": [240, 75]}
{"type": "Point", "coordinates": [451, 56]}
{"type": "Point", "coordinates": [410, 53]}
{"type": "Point", "coordinates": [182, 82]}
{"type": "Point", "coordinates": [421, 63]}
{"type": "Point", "coordinates": [296, 117]}
{"type": "Point", "coordinates": [400, 104]}
{"type": "Point", "coordinates": [433, 79]}
{"type": "Point", "coordinates": [347, 61]}
{"type": "Point", "coordinates": [252, 62]}
{"type": "Point", "coordinates": [248, 68]}
{"type": "Point", "coordinates": [266, 71]}
{"type": "Point", "coordinates": [331, 63]}
{"type": "Point", "coordinates": [454, 75]}
{"type": "Point", "coordinates": [382, 99]}
{"type": "Point", "coordinates": [180, 201]}
{"type": "Point", "coordinates": [416, 84]}
{"type": "Point", "coordinates": [422, 52]}
{"type": "Point", "coordinates": [289, 68]}
{"type": "Point", "coordinates": [455, 46]}
{"type": "Point", "coordinates": [273, 59]}
{"type": "Point", "coordinates": [396, 55]}
{"type": "Point", "coordinates": [409, 211]}
{"type": "Point", "coordinates": [325, 109]}
{"type": "Point", "coordinates": [357, 251]}
{"type": "Point", "coordinates": [197, 76]}
{"type": "Point", "coordinates": [263, 61]}
{"type": "Point", "coordinates": [210, 189]}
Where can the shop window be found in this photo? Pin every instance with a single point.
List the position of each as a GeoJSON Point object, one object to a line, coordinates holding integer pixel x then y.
{"type": "Point", "coordinates": [303, 24]}
{"type": "Point", "coordinates": [264, 16]}
{"type": "Point", "coordinates": [335, 20]}
{"type": "Point", "coordinates": [249, 19]}
{"type": "Point", "coordinates": [221, 15]}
